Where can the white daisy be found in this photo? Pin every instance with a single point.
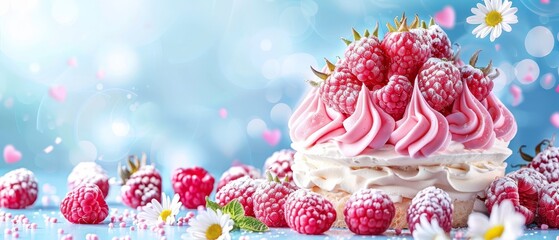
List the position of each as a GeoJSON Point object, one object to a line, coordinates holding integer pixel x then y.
{"type": "Point", "coordinates": [425, 230]}
{"type": "Point", "coordinates": [493, 17]}
{"type": "Point", "coordinates": [210, 225]}
{"type": "Point", "coordinates": [153, 213]}
{"type": "Point", "coordinates": [504, 223]}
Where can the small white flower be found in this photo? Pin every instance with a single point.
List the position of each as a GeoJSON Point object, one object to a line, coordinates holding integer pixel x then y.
{"type": "Point", "coordinates": [504, 223]}
{"type": "Point", "coordinates": [493, 17]}
{"type": "Point", "coordinates": [425, 230]}
{"type": "Point", "coordinates": [166, 212]}
{"type": "Point", "coordinates": [210, 225]}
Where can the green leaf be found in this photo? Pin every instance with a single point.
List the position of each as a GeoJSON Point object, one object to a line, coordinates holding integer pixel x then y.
{"type": "Point", "coordinates": [212, 205]}
{"type": "Point", "coordinates": [252, 224]}
{"type": "Point", "coordinates": [235, 209]}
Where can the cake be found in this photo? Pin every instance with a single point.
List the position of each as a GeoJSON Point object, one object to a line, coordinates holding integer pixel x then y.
{"type": "Point", "coordinates": [350, 140]}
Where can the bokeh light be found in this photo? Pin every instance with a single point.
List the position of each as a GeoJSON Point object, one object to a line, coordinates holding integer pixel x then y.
{"type": "Point", "coordinates": [539, 41]}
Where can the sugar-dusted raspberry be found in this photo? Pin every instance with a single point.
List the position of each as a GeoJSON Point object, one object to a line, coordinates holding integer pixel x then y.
{"type": "Point", "coordinates": [369, 212]}
{"type": "Point", "coordinates": [340, 90]}
{"type": "Point", "coordinates": [395, 96]}
{"type": "Point", "coordinates": [193, 185]}
{"type": "Point", "coordinates": [269, 200]}
{"type": "Point", "coordinates": [439, 82]}
{"type": "Point", "coordinates": [440, 43]}
{"type": "Point", "coordinates": [89, 172]}
{"type": "Point", "coordinates": [479, 82]}
{"type": "Point", "coordinates": [547, 163]}
{"type": "Point", "coordinates": [241, 189]}
{"type": "Point", "coordinates": [506, 188]}
{"type": "Point", "coordinates": [279, 164]}
{"type": "Point", "coordinates": [434, 203]}
{"type": "Point", "coordinates": [235, 172]}
{"type": "Point", "coordinates": [309, 213]}
{"type": "Point", "coordinates": [366, 59]}
{"type": "Point", "coordinates": [85, 204]}
{"type": "Point", "coordinates": [18, 189]}
{"type": "Point", "coordinates": [548, 205]}
{"type": "Point", "coordinates": [405, 52]}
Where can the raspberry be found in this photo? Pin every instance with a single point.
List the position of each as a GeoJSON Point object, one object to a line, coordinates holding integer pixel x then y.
{"type": "Point", "coordinates": [279, 164]}
{"type": "Point", "coordinates": [85, 204]}
{"type": "Point", "coordinates": [395, 96]}
{"type": "Point", "coordinates": [548, 205]}
{"type": "Point", "coordinates": [477, 80]}
{"type": "Point", "coordinates": [241, 189]}
{"type": "Point", "coordinates": [366, 60]}
{"type": "Point", "coordinates": [369, 212]}
{"type": "Point", "coordinates": [439, 82]}
{"type": "Point", "coordinates": [269, 199]}
{"type": "Point", "coordinates": [309, 213]}
{"type": "Point", "coordinates": [547, 163]}
{"type": "Point", "coordinates": [141, 183]}
{"type": "Point", "coordinates": [18, 189]}
{"type": "Point", "coordinates": [236, 172]}
{"type": "Point", "coordinates": [507, 188]}
{"type": "Point", "coordinates": [404, 51]}
{"type": "Point", "coordinates": [193, 185]}
{"type": "Point", "coordinates": [340, 90]}
{"type": "Point", "coordinates": [433, 203]}
{"type": "Point", "coordinates": [440, 43]}
{"type": "Point", "coordinates": [89, 172]}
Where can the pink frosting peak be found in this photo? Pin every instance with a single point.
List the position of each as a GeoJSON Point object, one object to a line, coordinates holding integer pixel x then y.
{"type": "Point", "coordinates": [422, 131]}
{"type": "Point", "coordinates": [369, 126]}
{"type": "Point", "coordinates": [470, 123]}
{"type": "Point", "coordinates": [504, 124]}
{"type": "Point", "coordinates": [313, 123]}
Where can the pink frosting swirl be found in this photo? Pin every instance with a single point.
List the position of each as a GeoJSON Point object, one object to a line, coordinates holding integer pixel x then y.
{"type": "Point", "coordinates": [470, 123]}
{"type": "Point", "coordinates": [313, 123]}
{"type": "Point", "coordinates": [369, 126]}
{"type": "Point", "coordinates": [504, 124]}
{"type": "Point", "coordinates": [422, 131]}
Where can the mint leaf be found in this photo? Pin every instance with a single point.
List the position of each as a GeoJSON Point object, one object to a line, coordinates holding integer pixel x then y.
{"type": "Point", "coordinates": [235, 209]}
{"type": "Point", "coordinates": [251, 224]}
{"type": "Point", "coordinates": [212, 205]}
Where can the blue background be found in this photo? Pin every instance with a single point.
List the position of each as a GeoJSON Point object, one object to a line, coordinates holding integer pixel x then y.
{"type": "Point", "coordinates": [153, 76]}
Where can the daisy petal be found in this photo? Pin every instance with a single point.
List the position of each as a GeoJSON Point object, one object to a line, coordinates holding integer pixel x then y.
{"type": "Point", "coordinates": [474, 20]}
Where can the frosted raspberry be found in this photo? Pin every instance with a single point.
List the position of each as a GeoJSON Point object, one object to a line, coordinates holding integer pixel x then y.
{"type": "Point", "coordinates": [433, 203]}
{"type": "Point", "coordinates": [439, 82]}
{"type": "Point", "coordinates": [309, 213]}
{"type": "Point", "coordinates": [269, 199]}
{"type": "Point", "coordinates": [366, 60]}
{"type": "Point", "coordinates": [279, 164]}
{"type": "Point", "coordinates": [340, 90]}
{"type": "Point", "coordinates": [141, 182]}
{"type": "Point", "coordinates": [85, 204]}
{"type": "Point", "coordinates": [395, 96]}
{"type": "Point", "coordinates": [18, 189]}
{"type": "Point", "coordinates": [235, 172]}
{"type": "Point", "coordinates": [241, 189]}
{"type": "Point", "coordinates": [369, 212]}
{"type": "Point", "coordinates": [478, 81]}
{"type": "Point", "coordinates": [405, 52]}
{"type": "Point", "coordinates": [507, 188]}
{"type": "Point", "coordinates": [548, 205]}
{"type": "Point", "coordinates": [440, 43]}
{"type": "Point", "coordinates": [547, 163]}
{"type": "Point", "coordinates": [193, 185]}
{"type": "Point", "coordinates": [89, 172]}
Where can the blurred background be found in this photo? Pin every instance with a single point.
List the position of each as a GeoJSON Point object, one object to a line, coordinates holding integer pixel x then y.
{"type": "Point", "coordinates": [209, 83]}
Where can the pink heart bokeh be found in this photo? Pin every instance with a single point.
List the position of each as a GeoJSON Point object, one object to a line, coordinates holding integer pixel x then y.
{"type": "Point", "coordinates": [272, 137]}
{"type": "Point", "coordinates": [223, 113]}
{"type": "Point", "coordinates": [555, 119]}
{"type": "Point", "coordinates": [11, 154]}
{"type": "Point", "coordinates": [58, 93]}
{"type": "Point", "coordinates": [446, 17]}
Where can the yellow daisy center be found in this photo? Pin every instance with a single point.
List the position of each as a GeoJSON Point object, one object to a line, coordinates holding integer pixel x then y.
{"type": "Point", "coordinates": [164, 214]}
{"type": "Point", "coordinates": [213, 232]}
{"type": "Point", "coordinates": [494, 232]}
{"type": "Point", "coordinates": [493, 18]}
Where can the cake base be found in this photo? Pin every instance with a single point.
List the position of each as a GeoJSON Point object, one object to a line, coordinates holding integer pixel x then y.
{"type": "Point", "coordinates": [462, 209]}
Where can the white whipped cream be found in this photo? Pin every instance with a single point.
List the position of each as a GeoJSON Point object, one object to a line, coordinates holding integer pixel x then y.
{"type": "Point", "coordinates": [461, 172]}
